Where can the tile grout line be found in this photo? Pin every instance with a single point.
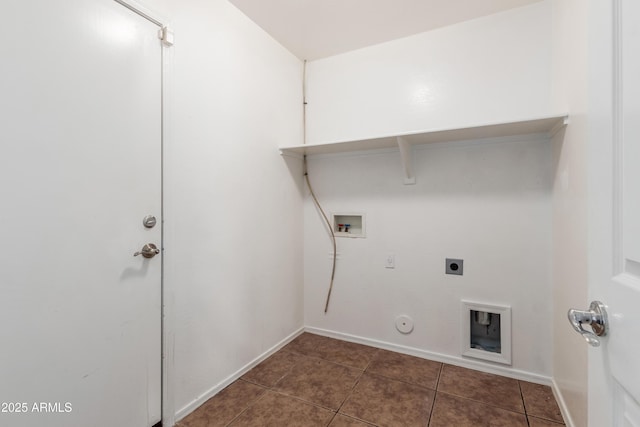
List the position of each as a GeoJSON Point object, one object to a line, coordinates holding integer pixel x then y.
{"type": "Point", "coordinates": [435, 394]}
{"type": "Point", "coordinates": [493, 405]}
{"type": "Point", "coordinates": [264, 393]}
{"type": "Point", "coordinates": [524, 405]}
{"type": "Point", "coordinates": [484, 403]}
{"type": "Point", "coordinates": [323, 358]}
{"type": "Point", "coordinates": [299, 399]}
{"type": "Point", "coordinates": [278, 392]}
{"type": "Point", "coordinates": [433, 405]}
{"type": "Point", "coordinates": [335, 414]}
{"type": "Point", "coordinates": [355, 384]}
{"type": "Point", "coordinates": [540, 417]}
{"type": "Point", "coordinates": [327, 360]}
{"type": "Point", "coordinates": [375, 354]}
{"type": "Point", "coordinates": [375, 374]}
{"type": "Point", "coordinates": [439, 376]}
{"type": "Point", "coordinates": [269, 389]}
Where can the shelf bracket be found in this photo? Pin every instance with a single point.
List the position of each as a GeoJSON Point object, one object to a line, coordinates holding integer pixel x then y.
{"type": "Point", "coordinates": [406, 150]}
{"type": "Point", "coordinates": [558, 126]}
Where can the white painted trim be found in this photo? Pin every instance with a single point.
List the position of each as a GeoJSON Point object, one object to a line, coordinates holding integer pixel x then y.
{"type": "Point", "coordinates": [564, 409]}
{"type": "Point", "coordinates": [195, 404]}
{"type": "Point", "coordinates": [168, 296]}
{"type": "Point", "coordinates": [489, 130]}
{"type": "Point", "coordinates": [354, 153]}
{"type": "Point", "coordinates": [558, 127]}
{"type": "Point", "coordinates": [292, 155]}
{"type": "Point", "coordinates": [167, 311]}
{"type": "Point", "coordinates": [617, 140]}
{"type": "Point", "coordinates": [438, 357]}
{"type": "Point", "coordinates": [527, 138]}
{"type": "Point", "coordinates": [406, 155]}
{"type": "Point", "coordinates": [141, 9]}
{"type": "Point", "coordinates": [504, 312]}
{"type": "Point", "coordinates": [514, 139]}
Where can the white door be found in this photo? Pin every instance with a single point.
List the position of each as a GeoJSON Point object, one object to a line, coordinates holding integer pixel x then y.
{"type": "Point", "coordinates": [614, 368]}
{"type": "Point", "coordinates": [80, 167]}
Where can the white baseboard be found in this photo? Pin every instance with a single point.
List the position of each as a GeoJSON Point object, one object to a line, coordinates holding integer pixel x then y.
{"type": "Point", "coordinates": [195, 404]}
{"type": "Point", "coordinates": [564, 410]}
{"type": "Point", "coordinates": [438, 357]}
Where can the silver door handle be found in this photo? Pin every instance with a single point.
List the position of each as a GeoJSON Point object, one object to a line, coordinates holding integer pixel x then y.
{"type": "Point", "coordinates": [148, 251]}
{"type": "Point", "coordinates": [596, 317]}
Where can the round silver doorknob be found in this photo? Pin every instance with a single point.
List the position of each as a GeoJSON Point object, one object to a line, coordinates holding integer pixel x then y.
{"type": "Point", "coordinates": [148, 251]}
{"type": "Point", "coordinates": [595, 317]}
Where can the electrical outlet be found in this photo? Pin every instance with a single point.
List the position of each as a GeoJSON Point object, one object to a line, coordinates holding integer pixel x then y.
{"type": "Point", "coordinates": [390, 261]}
{"type": "Point", "coordinates": [453, 266]}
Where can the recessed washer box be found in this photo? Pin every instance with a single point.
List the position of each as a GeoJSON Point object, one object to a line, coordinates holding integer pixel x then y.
{"type": "Point", "coordinates": [348, 224]}
{"type": "Point", "coordinates": [486, 331]}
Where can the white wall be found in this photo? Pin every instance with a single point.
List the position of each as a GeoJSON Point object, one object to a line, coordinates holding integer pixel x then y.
{"type": "Point", "coordinates": [491, 69]}
{"type": "Point", "coordinates": [570, 38]}
{"type": "Point", "coordinates": [489, 203]}
{"type": "Point", "coordinates": [233, 265]}
{"type": "Point", "coordinates": [485, 202]}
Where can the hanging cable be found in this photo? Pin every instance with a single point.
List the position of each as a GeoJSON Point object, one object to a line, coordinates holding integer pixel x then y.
{"type": "Point", "coordinates": [304, 106]}
{"type": "Point", "coordinates": [333, 236]}
{"type": "Point", "coordinates": [313, 194]}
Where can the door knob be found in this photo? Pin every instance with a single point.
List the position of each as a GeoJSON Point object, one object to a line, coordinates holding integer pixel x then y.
{"type": "Point", "coordinates": [596, 317]}
{"type": "Point", "coordinates": [148, 251]}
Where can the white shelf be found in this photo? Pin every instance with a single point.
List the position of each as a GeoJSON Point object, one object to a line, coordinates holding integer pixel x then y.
{"type": "Point", "coordinates": [547, 125]}
{"type": "Point", "coordinates": [542, 125]}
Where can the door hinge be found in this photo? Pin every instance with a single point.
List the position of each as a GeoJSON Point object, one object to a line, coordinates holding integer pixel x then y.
{"type": "Point", "coordinates": [166, 35]}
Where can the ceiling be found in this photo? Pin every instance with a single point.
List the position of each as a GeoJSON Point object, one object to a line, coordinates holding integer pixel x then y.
{"type": "Point", "coordinates": [313, 29]}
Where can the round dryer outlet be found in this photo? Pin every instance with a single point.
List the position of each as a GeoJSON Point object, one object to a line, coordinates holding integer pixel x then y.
{"type": "Point", "coordinates": [404, 324]}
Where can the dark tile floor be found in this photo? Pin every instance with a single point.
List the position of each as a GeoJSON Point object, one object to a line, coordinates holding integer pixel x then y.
{"type": "Point", "coordinates": [319, 381]}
